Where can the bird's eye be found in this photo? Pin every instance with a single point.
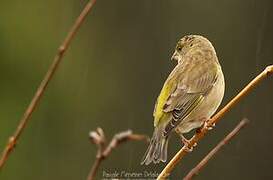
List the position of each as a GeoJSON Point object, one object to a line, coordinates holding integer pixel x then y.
{"type": "Point", "coordinates": [179, 48]}
{"type": "Point", "coordinates": [191, 45]}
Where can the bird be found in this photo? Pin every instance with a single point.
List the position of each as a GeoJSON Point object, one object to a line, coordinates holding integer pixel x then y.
{"type": "Point", "coordinates": [191, 94]}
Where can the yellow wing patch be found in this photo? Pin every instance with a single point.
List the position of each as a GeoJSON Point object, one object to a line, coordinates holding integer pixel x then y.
{"type": "Point", "coordinates": [161, 100]}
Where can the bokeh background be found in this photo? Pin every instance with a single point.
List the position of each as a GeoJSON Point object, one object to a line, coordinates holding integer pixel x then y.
{"type": "Point", "coordinates": [112, 74]}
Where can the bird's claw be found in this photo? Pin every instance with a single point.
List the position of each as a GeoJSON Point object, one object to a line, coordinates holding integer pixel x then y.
{"type": "Point", "coordinates": [187, 143]}
{"type": "Point", "coordinates": [187, 149]}
{"type": "Point", "coordinates": [207, 126]}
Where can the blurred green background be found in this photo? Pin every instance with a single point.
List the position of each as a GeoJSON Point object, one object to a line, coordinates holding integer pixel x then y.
{"type": "Point", "coordinates": [112, 74]}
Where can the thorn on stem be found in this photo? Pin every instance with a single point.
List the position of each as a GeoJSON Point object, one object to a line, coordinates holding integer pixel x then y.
{"type": "Point", "coordinates": [11, 143]}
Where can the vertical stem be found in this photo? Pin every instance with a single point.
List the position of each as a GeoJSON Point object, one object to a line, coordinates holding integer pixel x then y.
{"type": "Point", "coordinates": [41, 89]}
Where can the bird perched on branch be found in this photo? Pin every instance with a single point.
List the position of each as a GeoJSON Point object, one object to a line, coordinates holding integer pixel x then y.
{"type": "Point", "coordinates": [190, 95]}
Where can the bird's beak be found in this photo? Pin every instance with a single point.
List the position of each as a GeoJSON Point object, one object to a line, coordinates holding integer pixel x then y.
{"type": "Point", "coordinates": [175, 56]}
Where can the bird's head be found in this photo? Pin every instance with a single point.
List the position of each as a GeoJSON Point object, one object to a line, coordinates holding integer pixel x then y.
{"type": "Point", "coordinates": [188, 43]}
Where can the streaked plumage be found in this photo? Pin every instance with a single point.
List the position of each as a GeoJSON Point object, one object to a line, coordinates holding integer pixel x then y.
{"type": "Point", "coordinates": [190, 95]}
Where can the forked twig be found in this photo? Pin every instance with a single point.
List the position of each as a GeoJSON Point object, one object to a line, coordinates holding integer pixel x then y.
{"type": "Point", "coordinates": [98, 138]}
{"type": "Point", "coordinates": [41, 89]}
{"type": "Point", "coordinates": [198, 136]}
{"type": "Point", "coordinates": [205, 160]}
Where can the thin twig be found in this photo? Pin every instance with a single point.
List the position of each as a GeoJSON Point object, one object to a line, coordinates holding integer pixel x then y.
{"type": "Point", "coordinates": [205, 160]}
{"type": "Point", "coordinates": [98, 138]}
{"type": "Point", "coordinates": [41, 89]}
{"type": "Point", "coordinates": [198, 136]}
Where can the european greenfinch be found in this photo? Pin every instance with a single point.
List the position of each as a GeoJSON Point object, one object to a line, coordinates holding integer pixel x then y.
{"type": "Point", "coordinates": [189, 97]}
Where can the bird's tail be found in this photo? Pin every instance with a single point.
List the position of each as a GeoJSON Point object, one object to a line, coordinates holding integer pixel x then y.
{"type": "Point", "coordinates": [157, 150]}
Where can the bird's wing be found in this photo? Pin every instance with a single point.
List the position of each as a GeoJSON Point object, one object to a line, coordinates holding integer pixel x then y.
{"type": "Point", "coordinates": [189, 92]}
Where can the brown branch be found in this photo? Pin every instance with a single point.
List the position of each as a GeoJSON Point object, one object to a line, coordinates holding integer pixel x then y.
{"type": "Point", "coordinates": [41, 89]}
{"type": "Point", "coordinates": [198, 136]}
{"type": "Point", "coordinates": [205, 160]}
{"type": "Point", "coordinates": [98, 138]}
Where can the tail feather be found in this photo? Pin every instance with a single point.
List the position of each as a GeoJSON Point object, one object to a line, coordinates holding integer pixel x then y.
{"type": "Point", "coordinates": [157, 150]}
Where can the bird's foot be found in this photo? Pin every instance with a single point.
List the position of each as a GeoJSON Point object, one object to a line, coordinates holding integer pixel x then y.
{"type": "Point", "coordinates": [208, 126]}
{"type": "Point", "coordinates": [186, 143]}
